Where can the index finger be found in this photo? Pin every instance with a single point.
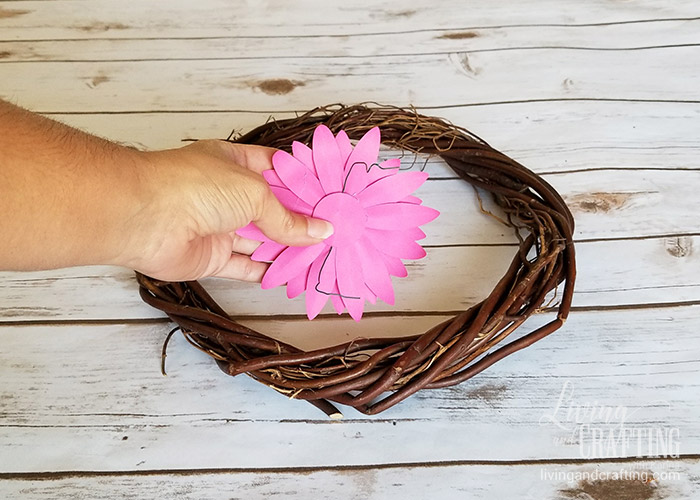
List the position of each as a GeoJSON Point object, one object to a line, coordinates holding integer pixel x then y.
{"type": "Point", "coordinates": [254, 158]}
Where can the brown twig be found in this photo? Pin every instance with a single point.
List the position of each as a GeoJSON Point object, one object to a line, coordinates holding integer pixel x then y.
{"type": "Point", "coordinates": [359, 372]}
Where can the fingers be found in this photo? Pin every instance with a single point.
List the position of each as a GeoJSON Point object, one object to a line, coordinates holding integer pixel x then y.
{"type": "Point", "coordinates": [254, 158]}
{"type": "Point", "coordinates": [243, 245]}
{"type": "Point", "coordinates": [241, 267]}
{"type": "Point", "coordinates": [273, 218]}
{"type": "Point", "coordinates": [290, 228]}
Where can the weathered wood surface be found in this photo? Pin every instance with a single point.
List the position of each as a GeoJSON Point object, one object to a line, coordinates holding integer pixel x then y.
{"type": "Point", "coordinates": [590, 135]}
{"type": "Point", "coordinates": [601, 97]}
{"type": "Point", "coordinates": [613, 480]}
{"type": "Point", "coordinates": [69, 19]}
{"type": "Point", "coordinates": [627, 220]}
{"type": "Point", "coordinates": [205, 85]}
{"type": "Point", "coordinates": [448, 279]}
{"type": "Point", "coordinates": [91, 397]}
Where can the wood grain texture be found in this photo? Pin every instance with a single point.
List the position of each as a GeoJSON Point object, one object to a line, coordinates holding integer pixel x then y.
{"type": "Point", "coordinates": [601, 97]}
{"type": "Point", "coordinates": [590, 135]}
{"type": "Point", "coordinates": [69, 18]}
{"type": "Point", "coordinates": [448, 279]}
{"type": "Point", "coordinates": [71, 400]}
{"type": "Point", "coordinates": [267, 43]}
{"type": "Point", "coordinates": [647, 221]}
{"type": "Point", "coordinates": [556, 481]}
{"type": "Point", "coordinates": [475, 78]}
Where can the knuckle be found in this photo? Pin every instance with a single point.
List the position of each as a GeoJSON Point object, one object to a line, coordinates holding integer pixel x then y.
{"type": "Point", "coordinates": [289, 222]}
{"type": "Point", "coordinates": [247, 269]}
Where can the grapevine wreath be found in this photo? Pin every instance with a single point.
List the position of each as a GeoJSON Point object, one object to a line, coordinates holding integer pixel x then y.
{"type": "Point", "coordinates": [373, 374]}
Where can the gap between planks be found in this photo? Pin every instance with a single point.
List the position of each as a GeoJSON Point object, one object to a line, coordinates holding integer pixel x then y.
{"type": "Point", "coordinates": [368, 56]}
{"type": "Point", "coordinates": [369, 314]}
{"type": "Point", "coordinates": [377, 33]}
{"type": "Point", "coordinates": [310, 469]}
{"type": "Point", "coordinates": [440, 106]}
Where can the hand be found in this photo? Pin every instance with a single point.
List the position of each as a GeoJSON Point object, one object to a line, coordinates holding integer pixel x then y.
{"type": "Point", "coordinates": [199, 195]}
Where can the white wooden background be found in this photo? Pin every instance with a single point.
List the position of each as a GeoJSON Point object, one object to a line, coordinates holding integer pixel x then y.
{"type": "Point", "coordinates": [601, 97]}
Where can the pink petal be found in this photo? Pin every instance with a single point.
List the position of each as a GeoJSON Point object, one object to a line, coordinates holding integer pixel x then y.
{"type": "Point", "coordinates": [314, 299]}
{"type": "Point", "coordinates": [268, 251]}
{"type": "Point", "coordinates": [415, 233]}
{"type": "Point", "coordinates": [356, 178]}
{"type": "Point", "coordinates": [395, 243]}
{"type": "Point", "coordinates": [366, 150]}
{"type": "Point", "coordinates": [252, 232]}
{"type": "Point", "coordinates": [344, 146]}
{"type": "Point", "coordinates": [350, 282]}
{"type": "Point", "coordinates": [303, 153]}
{"type": "Point", "coordinates": [327, 160]}
{"type": "Point", "coordinates": [326, 276]}
{"type": "Point", "coordinates": [297, 284]}
{"type": "Point", "coordinates": [370, 296]}
{"type": "Point", "coordinates": [394, 265]}
{"type": "Point", "coordinates": [391, 188]}
{"type": "Point", "coordinates": [272, 178]}
{"type": "Point", "coordinates": [412, 199]}
{"type": "Point", "coordinates": [297, 177]}
{"type": "Point", "coordinates": [399, 215]}
{"type": "Point", "coordinates": [375, 272]}
{"type": "Point", "coordinates": [291, 201]}
{"type": "Point", "coordinates": [338, 304]}
{"type": "Point", "coordinates": [291, 262]}
{"type": "Point", "coordinates": [384, 169]}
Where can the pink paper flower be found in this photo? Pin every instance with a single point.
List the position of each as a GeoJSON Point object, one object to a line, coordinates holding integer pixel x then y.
{"type": "Point", "coordinates": [373, 213]}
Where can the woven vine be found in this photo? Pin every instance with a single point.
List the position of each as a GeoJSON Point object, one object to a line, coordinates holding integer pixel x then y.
{"type": "Point", "coordinates": [373, 374]}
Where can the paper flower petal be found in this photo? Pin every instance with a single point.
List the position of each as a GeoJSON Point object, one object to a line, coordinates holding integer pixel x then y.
{"type": "Point", "coordinates": [272, 178]}
{"type": "Point", "coordinates": [412, 199]}
{"type": "Point", "coordinates": [356, 178]}
{"type": "Point", "coordinates": [303, 153]}
{"type": "Point", "coordinates": [395, 243]}
{"type": "Point", "coordinates": [291, 262]}
{"type": "Point", "coordinates": [369, 295]}
{"type": "Point", "coordinates": [391, 188]}
{"type": "Point", "coordinates": [268, 251]}
{"type": "Point", "coordinates": [327, 159]}
{"type": "Point", "coordinates": [315, 300]}
{"type": "Point", "coordinates": [337, 302]}
{"type": "Point", "coordinates": [291, 201]}
{"type": "Point", "coordinates": [372, 208]}
{"type": "Point", "coordinates": [375, 272]}
{"type": "Point", "coordinates": [415, 233]}
{"type": "Point", "coordinates": [297, 178]}
{"type": "Point", "coordinates": [366, 149]}
{"type": "Point", "coordinates": [344, 146]}
{"type": "Point", "coordinates": [394, 265]}
{"type": "Point", "coordinates": [384, 169]}
{"type": "Point", "coordinates": [399, 215]}
{"type": "Point", "coordinates": [297, 284]}
{"type": "Point", "coordinates": [350, 283]}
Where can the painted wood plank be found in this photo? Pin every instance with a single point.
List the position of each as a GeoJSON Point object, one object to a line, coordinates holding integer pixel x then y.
{"type": "Point", "coordinates": [268, 44]}
{"type": "Point", "coordinates": [27, 20]}
{"type": "Point", "coordinates": [648, 479]}
{"type": "Point", "coordinates": [611, 273]}
{"type": "Point", "coordinates": [633, 206]}
{"type": "Point", "coordinates": [90, 396]}
{"type": "Point", "coordinates": [432, 80]}
{"type": "Point", "coordinates": [588, 134]}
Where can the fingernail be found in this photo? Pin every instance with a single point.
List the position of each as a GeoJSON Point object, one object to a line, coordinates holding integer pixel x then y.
{"type": "Point", "coordinates": [318, 228]}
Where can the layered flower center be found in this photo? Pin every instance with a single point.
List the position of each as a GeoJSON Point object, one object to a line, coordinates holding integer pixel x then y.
{"type": "Point", "coordinates": [346, 214]}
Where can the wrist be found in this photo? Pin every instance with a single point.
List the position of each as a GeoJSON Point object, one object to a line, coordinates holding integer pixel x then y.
{"type": "Point", "coordinates": [133, 212]}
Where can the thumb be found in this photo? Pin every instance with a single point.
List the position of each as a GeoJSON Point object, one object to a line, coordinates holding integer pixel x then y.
{"type": "Point", "coordinates": [291, 228]}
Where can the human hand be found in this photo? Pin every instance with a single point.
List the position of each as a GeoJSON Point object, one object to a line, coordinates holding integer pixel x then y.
{"type": "Point", "coordinates": [197, 196]}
